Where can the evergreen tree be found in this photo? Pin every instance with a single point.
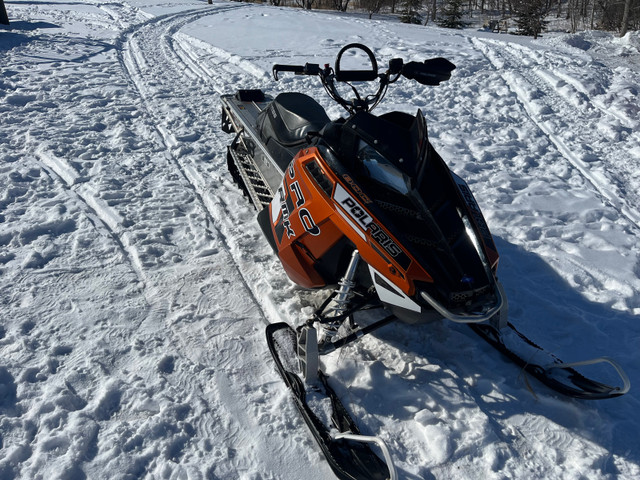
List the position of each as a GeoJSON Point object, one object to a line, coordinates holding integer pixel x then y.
{"type": "Point", "coordinates": [409, 11]}
{"type": "Point", "coordinates": [531, 16]}
{"type": "Point", "coordinates": [451, 15]}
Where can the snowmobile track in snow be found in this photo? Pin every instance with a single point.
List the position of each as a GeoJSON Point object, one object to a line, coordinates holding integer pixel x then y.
{"type": "Point", "coordinates": [95, 207]}
{"type": "Point", "coordinates": [140, 48]}
{"type": "Point", "coordinates": [541, 99]}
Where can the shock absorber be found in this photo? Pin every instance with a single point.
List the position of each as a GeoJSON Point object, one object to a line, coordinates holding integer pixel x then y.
{"type": "Point", "coordinates": [341, 298]}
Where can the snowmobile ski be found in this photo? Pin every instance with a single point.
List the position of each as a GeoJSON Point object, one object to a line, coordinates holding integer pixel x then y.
{"type": "Point", "coordinates": [348, 451]}
{"type": "Point", "coordinates": [557, 375]}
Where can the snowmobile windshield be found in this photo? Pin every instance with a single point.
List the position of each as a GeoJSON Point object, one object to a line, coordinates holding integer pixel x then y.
{"type": "Point", "coordinates": [390, 149]}
{"type": "Point", "coordinates": [382, 170]}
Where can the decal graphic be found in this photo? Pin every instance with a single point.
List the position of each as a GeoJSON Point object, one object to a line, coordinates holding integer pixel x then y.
{"type": "Point", "coordinates": [285, 214]}
{"type": "Point", "coordinates": [391, 294]}
{"type": "Point", "coordinates": [391, 247]}
{"type": "Point", "coordinates": [353, 208]}
{"type": "Point", "coordinates": [384, 240]}
{"type": "Point", "coordinates": [297, 191]}
{"type": "Point", "coordinates": [363, 196]}
{"type": "Point", "coordinates": [308, 223]}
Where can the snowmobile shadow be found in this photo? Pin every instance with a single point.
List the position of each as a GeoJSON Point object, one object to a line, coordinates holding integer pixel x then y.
{"type": "Point", "coordinates": [11, 40]}
{"type": "Point", "coordinates": [30, 26]}
{"type": "Point", "coordinates": [440, 375]}
{"type": "Point", "coordinates": [91, 48]}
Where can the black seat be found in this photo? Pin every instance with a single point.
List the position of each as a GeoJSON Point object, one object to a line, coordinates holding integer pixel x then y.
{"type": "Point", "coordinates": [290, 117]}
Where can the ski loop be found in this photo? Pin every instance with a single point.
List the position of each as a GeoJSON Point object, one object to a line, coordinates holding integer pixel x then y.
{"type": "Point", "coordinates": [346, 450]}
{"type": "Point", "coordinates": [393, 475]}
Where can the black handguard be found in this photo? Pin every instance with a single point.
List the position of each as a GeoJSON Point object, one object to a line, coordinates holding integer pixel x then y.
{"type": "Point", "coordinates": [431, 72]}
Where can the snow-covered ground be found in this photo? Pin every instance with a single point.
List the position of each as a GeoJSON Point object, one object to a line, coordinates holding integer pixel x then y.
{"type": "Point", "coordinates": [135, 283]}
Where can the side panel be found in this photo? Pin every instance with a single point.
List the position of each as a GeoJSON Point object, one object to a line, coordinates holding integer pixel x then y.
{"type": "Point", "coordinates": [302, 229]}
{"type": "Point", "coordinates": [318, 218]}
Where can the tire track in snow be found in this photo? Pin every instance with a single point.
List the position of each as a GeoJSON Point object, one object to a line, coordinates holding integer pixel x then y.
{"type": "Point", "coordinates": [116, 185]}
{"type": "Point", "coordinates": [95, 207]}
{"type": "Point", "coordinates": [137, 68]}
{"type": "Point", "coordinates": [220, 215]}
{"type": "Point", "coordinates": [153, 64]}
{"type": "Point", "coordinates": [539, 97]}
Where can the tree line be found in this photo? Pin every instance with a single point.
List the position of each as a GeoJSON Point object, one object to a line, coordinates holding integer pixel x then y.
{"type": "Point", "coordinates": [530, 17]}
{"type": "Point", "coordinates": [527, 17]}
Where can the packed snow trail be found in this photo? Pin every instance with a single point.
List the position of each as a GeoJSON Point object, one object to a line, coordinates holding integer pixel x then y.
{"type": "Point", "coordinates": [114, 221]}
{"type": "Point", "coordinates": [137, 283]}
{"type": "Point", "coordinates": [550, 97]}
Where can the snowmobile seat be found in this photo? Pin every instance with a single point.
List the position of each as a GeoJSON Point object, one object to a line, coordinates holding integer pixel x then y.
{"type": "Point", "coordinates": [290, 117]}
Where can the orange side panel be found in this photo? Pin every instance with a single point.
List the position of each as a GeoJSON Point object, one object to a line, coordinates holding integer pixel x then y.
{"type": "Point", "coordinates": [308, 223]}
{"type": "Point", "coordinates": [299, 268]}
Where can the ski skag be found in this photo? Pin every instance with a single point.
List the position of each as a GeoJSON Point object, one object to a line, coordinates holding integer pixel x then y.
{"type": "Point", "coordinates": [348, 452]}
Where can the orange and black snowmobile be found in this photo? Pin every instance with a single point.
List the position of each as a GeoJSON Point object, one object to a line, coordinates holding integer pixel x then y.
{"type": "Point", "coordinates": [365, 207]}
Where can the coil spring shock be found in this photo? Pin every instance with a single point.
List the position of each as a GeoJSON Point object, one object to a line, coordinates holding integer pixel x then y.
{"type": "Point", "coordinates": [341, 299]}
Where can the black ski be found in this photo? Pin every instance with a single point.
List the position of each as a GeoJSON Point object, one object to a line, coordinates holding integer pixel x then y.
{"type": "Point", "coordinates": [557, 375]}
{"type": "Point", "coordinates": [349, 459]}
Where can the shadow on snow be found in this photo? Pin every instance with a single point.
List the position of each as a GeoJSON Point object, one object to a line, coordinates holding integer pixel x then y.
{"type": "Point", "coordinates": [446, 367]}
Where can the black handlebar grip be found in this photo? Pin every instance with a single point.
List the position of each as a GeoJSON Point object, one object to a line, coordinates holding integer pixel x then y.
{"type": "Point", "coordinates": [297, 69]}
{"type": "Point", "coordinates": [289, 68]}
{"type": "Point", "coordinates": [306, 69]}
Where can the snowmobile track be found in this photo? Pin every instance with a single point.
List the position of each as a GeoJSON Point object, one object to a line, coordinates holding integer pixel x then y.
{"type": "Point", "coordinates": [137, 64]}
{"type": "Point", "coordinates": [539, 96]}
{"type": "Point", "coordinates": [95, 208]}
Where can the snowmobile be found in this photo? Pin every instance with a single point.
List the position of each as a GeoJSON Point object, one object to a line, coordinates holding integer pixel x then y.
{"type": "Point", "coordinates": [364, 207]}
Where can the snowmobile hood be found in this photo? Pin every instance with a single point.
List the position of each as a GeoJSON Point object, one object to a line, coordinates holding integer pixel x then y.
{"type": "Point", "coordinates": [418, 200]}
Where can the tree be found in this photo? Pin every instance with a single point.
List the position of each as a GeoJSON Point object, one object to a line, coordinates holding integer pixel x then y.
{"type": "Point", "coordinates": [625, 18]}
{"type": "Point", "coordinates": [4, 18]}
{"type": "Point", "coordinates": [306, 4]}
{"type": "Point", "coordinates": [409, 11]}
{"type": "Point", "coordinates": [451, 14]}
{"type": "Point", "coordinates": [531, 16]}
{"type": "Point", "coordinates": [373, 6]}
{"type": "Point", "coordinates": [341, 5]}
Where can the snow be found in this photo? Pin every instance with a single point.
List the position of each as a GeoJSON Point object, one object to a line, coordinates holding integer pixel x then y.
{"type": "Point", "coordinates": [136, 284]}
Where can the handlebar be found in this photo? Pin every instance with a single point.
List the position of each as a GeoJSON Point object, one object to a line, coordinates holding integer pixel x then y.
{"type": "Point", "coordinates": [356, 75]}
{"type": "Point", "coordinates": [430, 72]}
